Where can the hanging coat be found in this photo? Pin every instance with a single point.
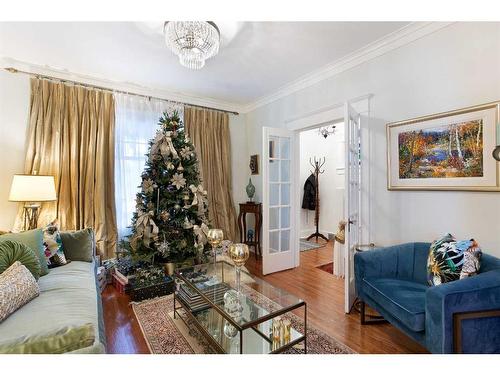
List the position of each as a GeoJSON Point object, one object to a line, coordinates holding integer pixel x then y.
{"type": "Point", "coordinates": [309, 200]}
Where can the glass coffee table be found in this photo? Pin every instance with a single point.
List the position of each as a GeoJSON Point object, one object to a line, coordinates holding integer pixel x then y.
{"type": "Point", "coordinates": [235, 322]}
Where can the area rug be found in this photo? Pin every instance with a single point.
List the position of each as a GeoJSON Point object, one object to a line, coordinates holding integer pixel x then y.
{"type": "Point", "coordinates": [308, 245]}
{"type": "Point", "coordinates": [166, 335]}
{"type": "Point", "coordinates": [328, 267]}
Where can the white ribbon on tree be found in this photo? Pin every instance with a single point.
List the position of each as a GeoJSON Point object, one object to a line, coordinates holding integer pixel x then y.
{"type": "Point", "coordinates": [146, 230]}
{"type": "Point", "coordinates": [200, 235]}
{"type": "Point", "coordinates": [199, 198]}
{"type": "Point", "coordinates": [163, 144]}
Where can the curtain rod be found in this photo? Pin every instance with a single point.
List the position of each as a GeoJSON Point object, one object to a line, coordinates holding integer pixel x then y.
{"type": "Point", "coordinates": [101, 88]}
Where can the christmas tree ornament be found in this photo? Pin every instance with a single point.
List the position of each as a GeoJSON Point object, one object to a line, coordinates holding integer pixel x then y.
{"type": "Point", "coordinates": [157, 200]}
{"type": "Point", "coordinates": [148, 186]}
{"type": "Point", "coordinates": [200, 232]}
{"type": "Point", "coordinates": [178, 180]}
{"type": "Point", "coordinates": [145, 230]}
{"type": "Point", "coordinates": [138, 201]}
{"type": "Point", "coordinates": [164, 248]}
{"type": "Point", "coordinates": [187, 224]}
{"type": "Point", "coordinates": [199, 198]}
{"type": "Point", "coordinates": [186, 152]}
{"type": "Point", "coordinates": [164, 215]}
{"type": "Point", "coordinates": [180, 168]}
{"type": "Point", "coordinates": [163, 146]}
{"type": "Point", "coordinates": [170, 166]}
{"type": "Point", "coordinates": [177, 207]}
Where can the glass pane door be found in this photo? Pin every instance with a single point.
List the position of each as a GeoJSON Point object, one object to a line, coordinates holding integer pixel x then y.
{"type": "Point", "coordinates": [279, 239]}
{"type": "Point", "coordinates": [279, 210]}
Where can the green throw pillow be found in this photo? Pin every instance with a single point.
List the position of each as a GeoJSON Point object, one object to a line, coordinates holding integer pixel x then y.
{"type": "Point", "coordinates": [11, 251]}
{"type": "Point", "coordinates": [63, 340]}
{"type": "Point", "coordinates": [79, 245]}
{"type": "Point", "coordinates": [34, 240]}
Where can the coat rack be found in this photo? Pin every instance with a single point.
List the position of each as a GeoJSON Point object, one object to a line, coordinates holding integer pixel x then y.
{"type": "Point", "coordinates": [318, 169]}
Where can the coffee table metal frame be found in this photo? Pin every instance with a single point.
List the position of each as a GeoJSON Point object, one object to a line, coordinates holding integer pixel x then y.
{"type": "Point", "coordinates": [240, 327]}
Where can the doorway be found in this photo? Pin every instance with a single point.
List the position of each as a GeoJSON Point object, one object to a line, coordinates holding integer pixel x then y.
{"type": "Point", "coordinates": [281, 193]}
{"type": "Point", "coordinates": [322, 185]}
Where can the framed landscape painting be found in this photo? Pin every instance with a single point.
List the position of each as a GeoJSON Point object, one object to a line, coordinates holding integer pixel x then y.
{"type": "Point", "coordinates": [445, 151]}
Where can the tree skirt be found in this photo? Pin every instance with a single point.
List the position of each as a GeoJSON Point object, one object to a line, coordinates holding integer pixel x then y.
{"type": "Point", "coordinates": [166, 335]}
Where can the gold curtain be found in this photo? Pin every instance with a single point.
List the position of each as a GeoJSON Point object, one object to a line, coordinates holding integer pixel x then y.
{"type": "Point", "coordinates": [209, 131]}
{"type": "Point", "coordinates": [71, 137]}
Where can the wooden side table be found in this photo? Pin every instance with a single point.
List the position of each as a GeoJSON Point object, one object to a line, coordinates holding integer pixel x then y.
{"type": "Point", "coordinates": [256, 209]}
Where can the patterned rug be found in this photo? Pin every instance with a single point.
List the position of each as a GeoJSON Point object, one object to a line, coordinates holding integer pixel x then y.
{"type": "Point", "coordinates": [328, 267]}
{"type": "Point", "coordinates": [166, 335]}
{"type": "Point", "coordinates": [308, 245]}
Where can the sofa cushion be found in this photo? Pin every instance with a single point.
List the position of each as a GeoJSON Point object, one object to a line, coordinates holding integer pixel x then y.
{"type": "Point", "coordinates": [405, 300]}
{"type": "Point", "coordinates": [78, 245]}
{"type": "Point", "coordinates": [17, 288]}
{"type": "Point", "coordinates": [34, 240]}
{"type": "Point", "coordinates": [63, 340]}
{"type": "Point", "coordinates": [68, 297]}
{"type": "Point", "coordinates": [54, 253]}
{"type": "Point", "coordinates": [11, 252]}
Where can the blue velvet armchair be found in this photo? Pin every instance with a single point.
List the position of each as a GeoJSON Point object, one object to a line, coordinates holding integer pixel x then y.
{"type": "Point", "coordinates": [461, 316]}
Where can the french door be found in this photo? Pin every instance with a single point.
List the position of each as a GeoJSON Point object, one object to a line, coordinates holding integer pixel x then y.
{"type": "Point", "coordinates": [352, 121]}
{"type": "Point", "coordinates": [280, 242]}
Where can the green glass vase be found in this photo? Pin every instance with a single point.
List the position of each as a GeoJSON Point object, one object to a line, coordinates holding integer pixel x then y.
{"type": "Point", "coordinates": [250, 190]}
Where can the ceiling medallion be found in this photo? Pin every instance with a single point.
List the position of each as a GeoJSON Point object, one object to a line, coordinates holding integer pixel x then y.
{"type": "Point", "coordinates": [192, 41]}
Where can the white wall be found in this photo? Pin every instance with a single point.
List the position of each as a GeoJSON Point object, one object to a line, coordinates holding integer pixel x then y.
{"type": "Point", "coordinates": [331, 182]}
{"type": "Point", "coordinates": [14, 109]}
{"type": "Point", "coordinates": [456, 67]}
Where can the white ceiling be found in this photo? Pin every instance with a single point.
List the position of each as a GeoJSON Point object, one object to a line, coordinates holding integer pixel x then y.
{"type": "Point", "coordinates": [259, 59]}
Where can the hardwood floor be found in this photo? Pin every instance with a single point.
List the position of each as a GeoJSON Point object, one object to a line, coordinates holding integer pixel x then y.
{"type": "Point", "coordinates": [323, 292]}
{"type": "Point", "coordinates": [123, 333]}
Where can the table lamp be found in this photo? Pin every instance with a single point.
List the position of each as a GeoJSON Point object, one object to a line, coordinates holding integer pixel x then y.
{"type": "Point", "coordinates": [32, 189]}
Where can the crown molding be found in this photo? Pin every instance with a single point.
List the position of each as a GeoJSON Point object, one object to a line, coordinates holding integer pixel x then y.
{"type": "Point", "coordinates": [386, 44]}
{"type": "Point", "coordinates": [129, 87]}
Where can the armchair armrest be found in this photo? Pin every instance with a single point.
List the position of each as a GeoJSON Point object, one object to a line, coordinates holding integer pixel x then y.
{"type": "Point", "coordinates": [479, 293]}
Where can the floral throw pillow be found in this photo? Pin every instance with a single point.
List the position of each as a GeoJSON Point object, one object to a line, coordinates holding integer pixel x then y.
{"type": "Point", "coordinates": [53, 248]}
{"type": "Point", "coordinates": [450, 260]}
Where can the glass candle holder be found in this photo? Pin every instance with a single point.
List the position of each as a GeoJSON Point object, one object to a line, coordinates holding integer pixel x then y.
{"type": "Point", "coordinates": [215, 237]}
{"type": "Point", "coordinates": [287, 330]}
{"type": "Point", "coordinates": [276, 329]}
{"type": "Point", "coordinates": [238, 252]}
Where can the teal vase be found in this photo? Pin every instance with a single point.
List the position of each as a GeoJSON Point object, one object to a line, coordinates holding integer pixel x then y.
{"type": "Point", "coordinates": [250, 190]}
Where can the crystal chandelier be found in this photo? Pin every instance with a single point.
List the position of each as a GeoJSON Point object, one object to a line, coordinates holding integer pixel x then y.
{"type": "Point", "coordinates": [325, 131]}
{"type": "Point", "coordinates": [192, 41]}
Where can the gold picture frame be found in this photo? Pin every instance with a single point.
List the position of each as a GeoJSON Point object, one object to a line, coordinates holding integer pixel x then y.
{"type": "Point", "coordinates": [429, 153]}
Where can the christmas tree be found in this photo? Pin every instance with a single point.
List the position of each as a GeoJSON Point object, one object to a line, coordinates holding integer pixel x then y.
{"type": "Point", "coordinates": [170, 223]}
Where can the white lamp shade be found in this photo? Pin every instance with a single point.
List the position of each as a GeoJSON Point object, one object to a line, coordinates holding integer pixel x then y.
{"type": "Point", "coordinates": [32, 188]}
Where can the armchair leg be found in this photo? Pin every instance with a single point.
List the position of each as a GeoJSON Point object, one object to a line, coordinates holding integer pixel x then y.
{"type": "Point", "coordinates": [374, 319]}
